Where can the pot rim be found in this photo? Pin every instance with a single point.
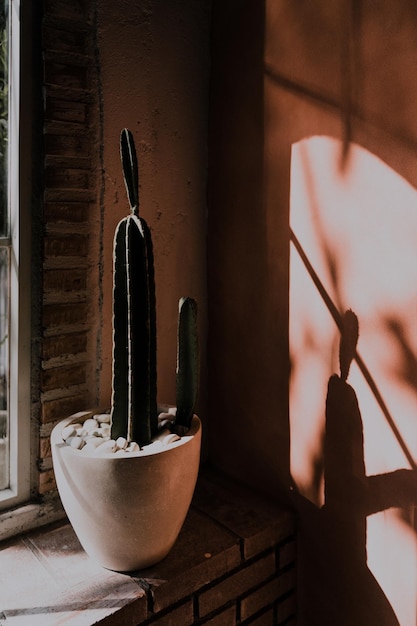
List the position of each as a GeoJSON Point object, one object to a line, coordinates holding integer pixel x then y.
{"type": "Point", "coordinates": [56, 440]}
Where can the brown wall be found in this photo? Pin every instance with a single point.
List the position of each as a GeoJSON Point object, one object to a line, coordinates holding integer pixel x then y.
{"type": "Point", "coordinates": [281, 72]}
{"type": "Point", "coordinates": [154, 80]}
{"type": "Point", "coordinates": [248, 263]}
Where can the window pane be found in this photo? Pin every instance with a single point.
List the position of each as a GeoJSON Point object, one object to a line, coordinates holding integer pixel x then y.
{"type": "Point", "coordinates": [4, 104]}
{"type": "Point", "coordinates": [4, 252]}
{"type": "Point", "coordinates": [4, 367]}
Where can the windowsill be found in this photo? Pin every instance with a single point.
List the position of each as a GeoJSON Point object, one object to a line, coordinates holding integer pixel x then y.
{"type": "Point", "coordinates": [47, 579]}
{"type": "Point", "coordinates": [30, 516]}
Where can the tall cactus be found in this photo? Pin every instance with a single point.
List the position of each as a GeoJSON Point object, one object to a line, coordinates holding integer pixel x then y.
{"type": "Point", "coordinates": [187, 362]}
{"type": "Point", "coordinates": [134, 409]}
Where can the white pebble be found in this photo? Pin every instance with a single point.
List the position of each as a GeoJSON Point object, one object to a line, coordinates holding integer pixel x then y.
{"type": "Point", "coordinates": [89, 447]}
{"type": "Point", "coordinates": [90, 424]}
{"type": "Point", "coordinates": [77, 443]}
{"type": "Point", "coordinates": [104, 430]}
{"type": "Point", "coordinates": [103, 418]}
{"type": "Point", "coordinates": [106, 446]}
{"type": "Point", "coordinates": [163, 417]}
{"type": "Point", "coordinates": [170, 439]}
{"type": "Point", "coordinates": [172, 410]}
{"type": "Point", "coordinates": [93, 442]}
{"type": "Point", "coordinates": [133, 447]}
{"type": "Point", "coordinates": [161, 435]}
{"type": "Point", "coordinates": [120, 452]}
{"type": "Point", "coordinates": [121, 443]}
{"type": "Point", "coordinates": [96, 432]}
{"type": "Point", "coordinates": [68, 431]}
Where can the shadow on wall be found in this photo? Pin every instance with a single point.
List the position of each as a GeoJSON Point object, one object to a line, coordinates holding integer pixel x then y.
{"type": "Point", "coordinates": [350, 247]}
{"type": "Point", "coordinates": [339, 526]}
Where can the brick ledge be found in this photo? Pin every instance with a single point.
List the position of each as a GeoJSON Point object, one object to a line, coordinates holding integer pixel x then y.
{"type": "Point", "coordinates": [233, 563]}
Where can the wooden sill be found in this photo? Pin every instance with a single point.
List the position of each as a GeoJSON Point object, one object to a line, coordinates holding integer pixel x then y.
{"type": "Point", "coordinates": [47, 579]}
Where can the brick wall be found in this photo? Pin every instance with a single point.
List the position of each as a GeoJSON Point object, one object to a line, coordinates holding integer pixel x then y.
{"type": "Point", "coordinates": [70, 297]}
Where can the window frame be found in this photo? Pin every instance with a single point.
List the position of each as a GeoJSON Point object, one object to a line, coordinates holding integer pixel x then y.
{"type": "Point", "coordinates": [19, 242]}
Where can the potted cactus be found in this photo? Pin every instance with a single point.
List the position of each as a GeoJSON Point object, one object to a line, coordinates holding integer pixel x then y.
{"type": "Point", "coordinates": [126, 476]}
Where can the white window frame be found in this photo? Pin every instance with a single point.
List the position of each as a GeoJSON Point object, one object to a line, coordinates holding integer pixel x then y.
{"type": "Point", "coordinates": [19, 403]}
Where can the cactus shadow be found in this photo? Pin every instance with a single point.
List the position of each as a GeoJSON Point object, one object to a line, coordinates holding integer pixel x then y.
{"type": "Point", "coordinates": [337, 585]}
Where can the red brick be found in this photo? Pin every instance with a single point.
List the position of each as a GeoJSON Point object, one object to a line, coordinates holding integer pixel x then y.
{"type": "Point", "coordinates": [59, 316]}
{"type": "Point", "coordinates": [66, 245]}
{"type": "Point", "coordinates": [225, 618]}
{"type": "Point", "coordinates": [67, 144]}
{"type": "Point", "coordinates": [260, 523]}
{"type": "Point", "coordinates": [237, 584]}
{"type": "Point", "coordinates": [287, 581]}
{"type": "Point", "coordinates": [286, 608]}
{"type": "Point", "coordinates": [62, 377]}
{"type": "Point", "coordinates": [66, 111]}
{"type": "Point", "coordinates": [203, 552]}
{"type": "Point", "coordinates": [182, 615]}
{"type": "Point", "coordinates": [46, 481]}
{"type": "Point", "coordinates": [67, 178]}
{"type": "Point", "coordinates": [65, 39]}
{"type": "Point", "coordinates": [260, 599]}
{"type": "Point", "coordinates": [287, 553]}
{"type": "Point", "coordinates": [65, 213]}
{"type": "Point", "coordinates": [64, 280]}
{"type": "Point", "coordinates": [66, 75]}
{"type": "Point", "coordinates": [60, 345]}
{"type": "Point", "coordinates": [54, 410]}
{"type": "Point", "coordinates": [266, 619]}
{"type": "Point", "coordinates": [74, 10]}
{"type": "Point", "coordinates": [44, 447]}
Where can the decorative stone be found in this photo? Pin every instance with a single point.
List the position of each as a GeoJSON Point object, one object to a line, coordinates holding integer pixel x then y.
{"type": "Point", "coordinates": [121, 443]}
{"type": "Point", "coordinates": [103, 418]}
{"type": "Point", "coordinates": [77, 442]}
{"type": "Point", "coordinates": [90, 424]}
{"type": "Point", "coordinates": [170, 438]}
{"type": "Point", "coordinates": [107, 446]}
{"type": "Point", "coordinates": [67, 432]}
{"type": "Point", "coordinates": [93, 442]}
{"type": "Point", "coordinates": [104, 430]}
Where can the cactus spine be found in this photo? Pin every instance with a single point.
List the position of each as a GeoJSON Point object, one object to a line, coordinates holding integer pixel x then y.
{"type": "Point", "coordinates": [134, 411]}
{"type": "Point", "coordinates": [187, 362]}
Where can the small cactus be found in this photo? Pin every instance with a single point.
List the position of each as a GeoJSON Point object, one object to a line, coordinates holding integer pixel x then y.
{"type": "Point", "coordinates": [134, 406]}
{"type": "Point", "coordinates": [187, 361]}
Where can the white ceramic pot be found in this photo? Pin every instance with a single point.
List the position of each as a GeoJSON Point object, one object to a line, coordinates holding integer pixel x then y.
{"type": "Point", "coordinates": [127, 511]}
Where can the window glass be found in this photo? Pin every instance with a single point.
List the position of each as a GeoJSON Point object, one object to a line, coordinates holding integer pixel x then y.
{"type": "Point", "coordinates": [4, 248]}
{"type": "Point", "coordinates": [4, 105]}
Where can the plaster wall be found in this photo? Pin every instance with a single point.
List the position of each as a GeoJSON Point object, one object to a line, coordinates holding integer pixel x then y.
{"type": "Point", "coordinates": [154, 66]}
{"type": "Point", "coordinates": [284, 72]}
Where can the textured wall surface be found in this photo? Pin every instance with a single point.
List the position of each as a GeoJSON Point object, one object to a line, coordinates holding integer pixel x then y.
{"type": "Point", "coordinates": [284, 72]}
